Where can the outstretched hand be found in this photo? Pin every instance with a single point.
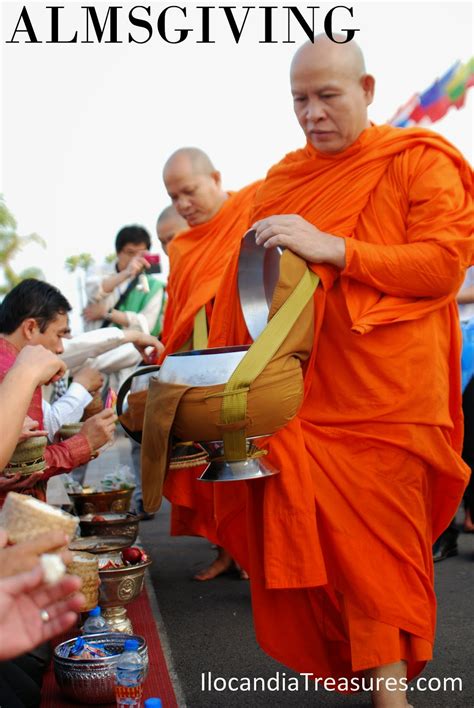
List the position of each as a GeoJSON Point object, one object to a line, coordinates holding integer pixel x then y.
{"type": "Point", "coordinates": [23, 597]}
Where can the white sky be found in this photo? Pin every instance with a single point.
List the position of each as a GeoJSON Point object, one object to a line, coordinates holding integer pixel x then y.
{"type": "Point", "coordinates": [86, 128]}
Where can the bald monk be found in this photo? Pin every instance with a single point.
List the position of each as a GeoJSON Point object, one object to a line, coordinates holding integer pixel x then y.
{"type": "Point", "coordinates": [340, 561]}
{"type": "Point", "coordinates": [168, 224]}
{"type": "Point", "coordinates": [217, 220]}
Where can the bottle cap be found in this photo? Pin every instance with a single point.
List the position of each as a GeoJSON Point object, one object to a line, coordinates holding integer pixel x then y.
{"type": "Point", "coordinates": [130, 645]}
{"type": "Point", "coordinates": [153, 703]}
{"type": "Point", "coordinates": [95, 612]}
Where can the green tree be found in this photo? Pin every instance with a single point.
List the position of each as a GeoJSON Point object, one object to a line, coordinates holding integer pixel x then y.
{"type": "Point", "coordinates": [10, 246]}
{"type": "Point", "coordinates": [82, 260]}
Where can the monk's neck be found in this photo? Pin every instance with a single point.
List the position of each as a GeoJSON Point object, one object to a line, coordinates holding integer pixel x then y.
{"type": "Point", "coordinates": [220, 203]}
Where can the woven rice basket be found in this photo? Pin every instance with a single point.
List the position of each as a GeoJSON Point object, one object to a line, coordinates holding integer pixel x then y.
{"type": "Point", "coordinates": [24, 521]}
{"type": "Point", "coordinates": [86, 566]}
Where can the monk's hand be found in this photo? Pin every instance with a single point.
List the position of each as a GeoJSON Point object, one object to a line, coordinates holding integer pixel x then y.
{"type": "Point", "coordinates": [298, 235]}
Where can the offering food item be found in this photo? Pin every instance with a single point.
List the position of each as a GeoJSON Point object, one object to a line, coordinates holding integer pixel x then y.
{"type": "Point", "coordinates": [86, 566]}
{"type": "Point", "coordinates": [127, 557]}
{"type": "Point", "coordinates": [98, 518]}
{"type": "Point", "coordinates": [132, 555]}
{"type": "Point", "coordinates": [25, 518]}
{"type": "Point", "coordinates": [84, 650]}
{"type": "Point", "coordinates": [53, 568]}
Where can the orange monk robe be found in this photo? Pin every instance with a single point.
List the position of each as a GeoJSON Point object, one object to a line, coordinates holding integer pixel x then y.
{"type": "Point", "coordinates": [198, 257]}
{"type": "Point", "coordinates": [340, 554]}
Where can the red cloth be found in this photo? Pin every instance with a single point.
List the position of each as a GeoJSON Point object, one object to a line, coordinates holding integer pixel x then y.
{"type": "Point", "coordinates": [371, 471]}
{"type": "Point", "coordinates": [61, 457]}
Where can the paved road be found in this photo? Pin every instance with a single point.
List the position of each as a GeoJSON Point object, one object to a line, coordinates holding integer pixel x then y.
{"type": "Point", "coordinates": [209, 626]}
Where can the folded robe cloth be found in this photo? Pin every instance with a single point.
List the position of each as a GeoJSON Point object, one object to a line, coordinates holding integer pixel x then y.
{"type": "Point", "coordinates": [194, 412]}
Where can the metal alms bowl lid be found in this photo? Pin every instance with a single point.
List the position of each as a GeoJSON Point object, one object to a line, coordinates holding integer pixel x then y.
{"type": "Point", "coordinates": [201, 367]}
{"type": "Point", "coordinates": [259, 270]}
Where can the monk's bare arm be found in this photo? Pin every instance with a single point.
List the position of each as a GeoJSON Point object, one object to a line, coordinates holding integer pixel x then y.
{"type": "Point", "coordinates": [295, 233]}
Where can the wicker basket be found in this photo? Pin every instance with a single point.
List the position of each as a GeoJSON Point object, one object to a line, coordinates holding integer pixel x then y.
{"type": "Point", "coordinates": [25, 518]}
{"type": "Point", "coordinates": [86, 566]}
{"type": "Point", "coordinates": [28, 457]}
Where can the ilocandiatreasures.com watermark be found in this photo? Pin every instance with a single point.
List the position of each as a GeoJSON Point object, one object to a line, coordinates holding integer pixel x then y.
{"type": "Point", "coordinates": [307, 682]}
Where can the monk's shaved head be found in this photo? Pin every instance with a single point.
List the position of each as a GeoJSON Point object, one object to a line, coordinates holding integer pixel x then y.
{"type": "Point", "coordinates": [168, 224]}
{"type": "Point", "coordinates": [345, 58]}
{"type": "Point", "coordinates": [196, 158]}
{"type": "Point", "coordinates": [168, 212]}
{"type": "Point", "coordinates": [331, 92]}
{"type": "Point", "coordinates": [194, 185]}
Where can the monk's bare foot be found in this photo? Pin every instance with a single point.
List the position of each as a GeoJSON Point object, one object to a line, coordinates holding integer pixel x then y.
{"type": "Point", "coordinates": [222, 564]}
{"type": "Point", "coordinates": [468, 526]}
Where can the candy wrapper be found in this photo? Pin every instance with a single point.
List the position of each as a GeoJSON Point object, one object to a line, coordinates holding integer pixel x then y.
{"type": "Point", "coordinates": [111, 399]}
{"type": "Point", "coordinates": [83, 650]}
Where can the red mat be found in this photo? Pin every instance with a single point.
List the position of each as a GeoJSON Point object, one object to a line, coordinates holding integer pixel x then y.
{"type": "Point", "coordinates": [158, 683]}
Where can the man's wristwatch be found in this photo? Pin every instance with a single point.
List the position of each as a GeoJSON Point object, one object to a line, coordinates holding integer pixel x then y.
{"type": "Point", "coordinates": [108, 315]}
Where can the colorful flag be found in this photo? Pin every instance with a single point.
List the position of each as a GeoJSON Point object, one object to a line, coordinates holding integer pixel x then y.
{"type": "Point", "coordinates": [437, 99]}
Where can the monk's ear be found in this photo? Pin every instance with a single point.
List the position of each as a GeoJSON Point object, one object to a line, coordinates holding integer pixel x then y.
{"type": "Point", "coordinates": [368, 87]}
{"type": "Point", "coordinates": [216, 176]}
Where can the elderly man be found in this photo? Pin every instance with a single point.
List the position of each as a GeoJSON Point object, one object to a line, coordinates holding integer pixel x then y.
{"type": "Point", "coordinates": [340, 565]}
{"type": "Point", "coordinates": [168, 224]}
{"type": "Point", "coordinates": [217, 221]}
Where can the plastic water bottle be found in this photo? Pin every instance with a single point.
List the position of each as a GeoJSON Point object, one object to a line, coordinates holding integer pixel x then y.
{"type": "Point", "coordinates": [153, 703]}
{"type": "Point", "coordinates": [95, 623]}
{"type": "Point", "coordinates": [129, 676]}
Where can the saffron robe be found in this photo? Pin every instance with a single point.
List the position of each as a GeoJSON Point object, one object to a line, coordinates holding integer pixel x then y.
{"type": "Point", "coordinates": [61, 457]}
{"type": "Point", "coordinates": [340, 560]}
{"type": "Point", "coordinates": [198, 257]}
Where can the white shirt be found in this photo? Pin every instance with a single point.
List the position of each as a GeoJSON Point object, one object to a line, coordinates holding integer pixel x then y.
{"type": "Point", "coordinates": [466, 311]}
{"type": "Point", "coordinates": [144, 321]}
{"type": "Point", "coordinates": [67, 409]}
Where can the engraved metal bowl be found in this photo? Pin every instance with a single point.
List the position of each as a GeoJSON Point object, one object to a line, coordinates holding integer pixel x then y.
{"type": "Point", "coordinates": [91, 681]}
{"type": "Point", "coordinates": [119, 586]}
{"type": "Point", "coordinates": [98, 502]}
{"type": "Point", "coordinates": [113, 525]}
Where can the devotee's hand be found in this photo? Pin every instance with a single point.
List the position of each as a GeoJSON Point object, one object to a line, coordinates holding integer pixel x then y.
{"type": "Point", "coordinates": [136, 265]}
{"type": "Point", "coordinates": [30, 429]}
{"type": "Point", "coordinates": [94, 311]}
{"type": "Point", "coordinates": [142, 341]}
{"type": "Point", "coordinates": [90, 378]}
{"type": "Point", "coordinates": [45, 366]}
{"type": "Point", "coordinates": [23, 557]}
{"type": "Point", "coordinates": [17, 483]}
{"type": "Point", "coordinates": [293, 232]}
{"type": "Point", "coordinates": [100, 428]}
{"type": "Point", "coordinates": [32, 612]}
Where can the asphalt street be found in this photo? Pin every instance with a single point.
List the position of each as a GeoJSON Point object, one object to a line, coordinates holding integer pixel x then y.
{"type": "Point", "coordinates": [207, 627]}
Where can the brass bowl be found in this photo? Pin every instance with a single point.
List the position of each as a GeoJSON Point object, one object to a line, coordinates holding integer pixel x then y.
{"type": "Point", "coordinates": [91, 681]}
{"type": "Point", "coordinates": [100, 544]}
{"type": "Point", "coordinates": [125, 525]}
{"type": "Point", "coordinates": [117, 500]}
{"type": "Point", "coordinates": [119, 586]}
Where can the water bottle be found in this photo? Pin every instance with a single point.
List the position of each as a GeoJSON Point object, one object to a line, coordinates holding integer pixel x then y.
{"type": "Point", "coordinates": [129, 676]}
{"type": "Point", "coordinates": [153, 703]}
{"type": "Point", "coordinates": [95, 623]}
